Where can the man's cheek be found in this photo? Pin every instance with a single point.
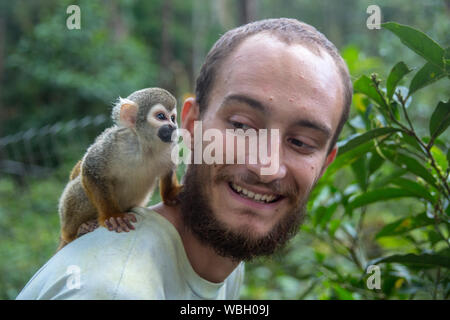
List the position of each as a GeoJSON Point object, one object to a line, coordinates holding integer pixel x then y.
{"type": "Point", "coordinates": [306, 177]}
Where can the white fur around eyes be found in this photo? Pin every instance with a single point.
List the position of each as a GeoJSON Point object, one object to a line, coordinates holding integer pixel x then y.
{"type": "Point", "coordinates": [151, 115]}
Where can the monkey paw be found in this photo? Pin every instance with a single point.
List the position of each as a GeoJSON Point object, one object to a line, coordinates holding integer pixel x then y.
{"type": "Point", "coordinates": [87, 227]}
{"type": "Point", "coordinates": [120, 222]}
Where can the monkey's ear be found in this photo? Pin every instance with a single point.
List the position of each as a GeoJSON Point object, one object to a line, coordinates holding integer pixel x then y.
{"type": "Point", "coordinates": [125, 113]}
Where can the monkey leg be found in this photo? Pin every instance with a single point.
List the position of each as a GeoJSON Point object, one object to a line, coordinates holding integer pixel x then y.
{"type": "Point", "coordinates": [74, 209]}
{"type": "Point", "coordinates": [84, 228]}
{"type": "Point", "coordinates": [170, 188]}
{"type": "Point", "coordinates": [87, 227]}
{"type": "Point", "coordinates": [110, 215]}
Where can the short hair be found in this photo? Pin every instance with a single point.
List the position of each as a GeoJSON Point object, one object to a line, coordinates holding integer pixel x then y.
{"type": "Point", "coordinates": [286, 30]}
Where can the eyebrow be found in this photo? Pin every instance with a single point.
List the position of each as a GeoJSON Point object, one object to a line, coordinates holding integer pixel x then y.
{"type": "Point", "coordinates": [255, 104]}
{"type": "Point", "coordinates": [314, 125]}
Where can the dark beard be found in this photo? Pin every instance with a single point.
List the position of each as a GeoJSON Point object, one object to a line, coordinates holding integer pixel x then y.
{"type": "Point", "coordinates": [238, 245]}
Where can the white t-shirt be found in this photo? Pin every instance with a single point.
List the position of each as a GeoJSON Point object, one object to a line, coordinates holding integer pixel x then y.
{"type": "Point", "coordinates": [146, 263]}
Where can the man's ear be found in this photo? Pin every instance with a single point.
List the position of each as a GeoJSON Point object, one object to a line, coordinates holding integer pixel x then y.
{"type": "Point", "coordinates": [329, 159]}
{"type": "Point", "coordinates": [189, 113]}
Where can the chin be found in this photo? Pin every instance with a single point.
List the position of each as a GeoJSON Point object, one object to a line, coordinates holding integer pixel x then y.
{"type": "Point", "coordinates": [245, 222]}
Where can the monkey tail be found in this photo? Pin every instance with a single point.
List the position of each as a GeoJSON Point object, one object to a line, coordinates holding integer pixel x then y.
{"type": "Point", "coordinates": [76, 170]}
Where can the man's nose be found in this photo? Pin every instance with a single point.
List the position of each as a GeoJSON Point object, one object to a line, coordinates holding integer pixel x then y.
{"type": "Point", "coordinates": [268, 167]}
{"type": "Point", "coordinates": [278, 174]}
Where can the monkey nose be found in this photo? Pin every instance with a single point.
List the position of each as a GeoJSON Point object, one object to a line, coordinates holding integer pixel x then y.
{"type": "Point", "coordinates": [165, 132]}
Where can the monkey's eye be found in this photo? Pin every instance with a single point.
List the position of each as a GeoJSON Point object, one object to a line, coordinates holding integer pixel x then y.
{"type": "Point", "coordinates": [161, 116]}
{"type": "Point", "coordinates": [172, 118]}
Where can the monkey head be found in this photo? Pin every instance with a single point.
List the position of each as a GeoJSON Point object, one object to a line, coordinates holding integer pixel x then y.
{"type": "Point", "coordinates": [150, 112]}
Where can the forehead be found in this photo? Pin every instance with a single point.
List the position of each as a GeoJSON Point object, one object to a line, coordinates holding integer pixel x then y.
{"type": "Point", "coordinates": [158, 107]}
{"type": "Point", "coordinates": [287, 77]}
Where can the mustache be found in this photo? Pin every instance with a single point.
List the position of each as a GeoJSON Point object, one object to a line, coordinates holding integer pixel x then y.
{"type": "Point", "coordinates": [284, 188]}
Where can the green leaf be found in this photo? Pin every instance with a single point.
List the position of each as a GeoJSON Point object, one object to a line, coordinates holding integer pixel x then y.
{"type": "Point", "coordinates": [359, 168]}
{"type": "Point", "coordinates": [328, 214]}
{"type": "Point", "coordinates": [428, 74]}
{"type": "Point", "coordinates": [426, 259]}
{"type": "Point", "coordinates": [411, 165]}
{"type": "Point", "coordinates": [397, 73]}
{"type": "Point", "coordinates": [365, 85]}
{"type": "Point", "coordinates": [415, 188]}
{"type": "Point", "coordinates": [410, 140]}
{"type": "Point", "coordinates": [434, 237]}
{"type": "Point", "coordinates": [440, 119]}
{"type": "Point", "coordinates": [378, 195]}
{"type": "Point", "coordinates": [404, 225]}
{"type": "Point", "coordinates": [447, 57]}
{"type": "Point", "coordinates": [318, 215]}
{"type": "Point", "coordinates": [384, 180]}
{"type": "Point", "coordinates": [440, 158]}
{"type": "Point", "coordinates": [352, 142]}
{"type": "Point", "coordinates": [333, 226]}
{"type": "Point", "coordinates": [419, 42]}
{"type": "Point", "coordinates": [349, 157]}
{"type": "Point", "coordinates": [343, 294]}
{"type": "Point", "coordinates": [323, 214]}
{"type": "Point", "coordinates": [375, 162]}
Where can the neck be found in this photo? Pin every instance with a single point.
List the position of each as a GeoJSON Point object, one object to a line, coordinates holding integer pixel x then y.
{"type": "Point", "coordinates": [204, 260]}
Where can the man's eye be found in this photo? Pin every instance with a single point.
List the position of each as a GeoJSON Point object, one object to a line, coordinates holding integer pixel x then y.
{"type": "Point", "coordinates": [161, 116]}
{"type": "Point", "coordinates": [238, 125]}
{"type": "Point", "coordinates": [300, 145]}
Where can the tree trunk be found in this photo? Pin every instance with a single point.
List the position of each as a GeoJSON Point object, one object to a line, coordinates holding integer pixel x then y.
{"type": "Point", "coordinates": [246, 11]}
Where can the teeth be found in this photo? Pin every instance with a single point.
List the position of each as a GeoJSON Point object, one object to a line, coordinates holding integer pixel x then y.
{"type": "Point", "coordinates": [252, 195]}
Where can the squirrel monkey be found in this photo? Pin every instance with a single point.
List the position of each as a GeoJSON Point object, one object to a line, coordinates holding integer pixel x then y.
{"type": "Point", "coordinates": [120, 169]}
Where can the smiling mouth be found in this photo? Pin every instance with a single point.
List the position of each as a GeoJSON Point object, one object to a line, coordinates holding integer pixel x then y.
{"type": "Point", "coordinates": [257, 197]}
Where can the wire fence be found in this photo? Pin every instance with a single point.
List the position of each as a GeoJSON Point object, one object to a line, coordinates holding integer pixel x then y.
{"type": "Point", "coordinates": [38, 151]}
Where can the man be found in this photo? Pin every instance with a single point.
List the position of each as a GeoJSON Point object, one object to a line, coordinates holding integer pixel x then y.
{"type": "Point", "coordinates": [277, 74]}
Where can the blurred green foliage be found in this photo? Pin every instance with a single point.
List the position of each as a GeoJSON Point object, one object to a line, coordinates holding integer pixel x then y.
{"type": "Point", "coordinates": [383, 198]}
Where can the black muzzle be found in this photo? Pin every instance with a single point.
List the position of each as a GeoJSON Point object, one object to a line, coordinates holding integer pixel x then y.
{"type": "Point", "coordinates": [165, 132]}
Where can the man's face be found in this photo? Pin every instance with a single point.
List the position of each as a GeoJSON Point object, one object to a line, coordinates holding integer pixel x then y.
{"type": "Point", "coordinates": [267, 84]}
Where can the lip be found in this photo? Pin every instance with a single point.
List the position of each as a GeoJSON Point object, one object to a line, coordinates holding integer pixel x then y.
{"type": "Point", "coordinates": [253, 204]}
{"type": "Point", "coordinates": [256, 189]}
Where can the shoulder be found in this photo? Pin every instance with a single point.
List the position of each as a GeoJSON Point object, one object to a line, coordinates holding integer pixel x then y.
{"type": "Point", "coordinates": [109, 265]}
